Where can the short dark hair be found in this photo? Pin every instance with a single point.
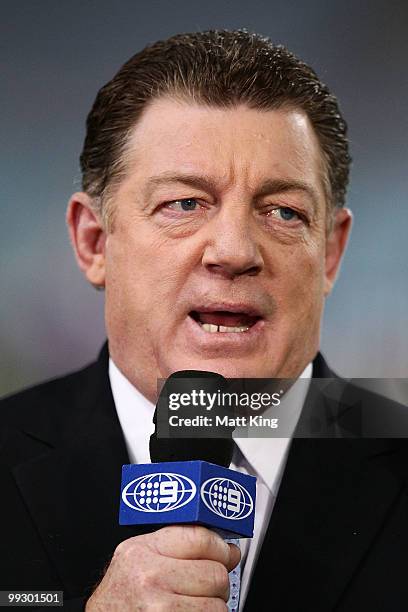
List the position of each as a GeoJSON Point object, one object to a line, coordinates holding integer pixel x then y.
{"type": "Point", "coordinates": [217, 68]}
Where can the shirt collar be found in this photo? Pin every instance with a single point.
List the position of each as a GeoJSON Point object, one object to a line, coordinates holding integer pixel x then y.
{"type": "Point", "coordinates": [135, 415]}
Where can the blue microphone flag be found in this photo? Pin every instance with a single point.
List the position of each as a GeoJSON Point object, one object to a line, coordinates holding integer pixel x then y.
{"type": "Point", "coordinates": [190, 492]}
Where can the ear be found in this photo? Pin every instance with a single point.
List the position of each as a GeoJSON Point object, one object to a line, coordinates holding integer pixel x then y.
{"type": "Point", "coordinates": [336, 243]}
{"type": "Point", "coordinates": [88, 238]}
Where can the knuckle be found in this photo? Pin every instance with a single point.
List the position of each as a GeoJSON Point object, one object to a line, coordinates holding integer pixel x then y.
{"type": "Point", "coordinates": [219, 576]}
{"type": "Point", "coordinates": [147, 579]}
{"type": "Point", "coordinates": [127, 547]}
{"type": "Point", "coordinates": [166, 536]}
{"type": "Point", "coordinates": [200, 537]}
{"type": "Point", "coordinates": [121, 548]}
{"type": "Point", "coordinates": [166, 531]}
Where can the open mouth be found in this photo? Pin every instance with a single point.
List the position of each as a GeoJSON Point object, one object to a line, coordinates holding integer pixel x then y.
{"type": "Point", "coordinates": [222, 321]}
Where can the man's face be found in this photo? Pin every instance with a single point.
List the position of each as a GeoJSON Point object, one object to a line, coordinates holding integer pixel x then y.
{"type": "Point", "coordinates": [217, 256]}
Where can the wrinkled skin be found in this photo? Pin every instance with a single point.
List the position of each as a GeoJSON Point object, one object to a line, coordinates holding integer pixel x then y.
{"type": "Point", "coordinates": [220, 236]}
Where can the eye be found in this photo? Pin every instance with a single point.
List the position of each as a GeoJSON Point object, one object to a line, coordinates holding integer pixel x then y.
{"type": "Point", "coordinates": [187, 204]}
{"type": "Point", "coordinates": [284, 213]}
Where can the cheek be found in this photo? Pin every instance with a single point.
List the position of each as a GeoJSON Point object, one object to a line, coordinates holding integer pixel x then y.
{"type": "Point", "coordinates": [144, 277]}
{"type": "Point", "coordinates": [302, 283]}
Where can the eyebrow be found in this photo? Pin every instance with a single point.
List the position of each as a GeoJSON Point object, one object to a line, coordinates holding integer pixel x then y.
{"type": "Point", "coordinates": [192, 180]}
{"type": "Point", "coordinates": [273, 186]}
{"type": "Point", "coordinates": [268, 187]}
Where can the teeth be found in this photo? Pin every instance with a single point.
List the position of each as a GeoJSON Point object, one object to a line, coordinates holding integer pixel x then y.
{"type": "Point", "coordinates": [209, 327]}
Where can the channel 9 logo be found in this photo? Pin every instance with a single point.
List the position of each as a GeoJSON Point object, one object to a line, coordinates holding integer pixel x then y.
{"type": "Point", "coordinates": [227, 498]}
{"type": "Point", "coordinates": [159, 492]}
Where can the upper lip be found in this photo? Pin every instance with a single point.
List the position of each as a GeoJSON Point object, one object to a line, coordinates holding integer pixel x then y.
{"type": "Point", "coordinates": [237, 307]}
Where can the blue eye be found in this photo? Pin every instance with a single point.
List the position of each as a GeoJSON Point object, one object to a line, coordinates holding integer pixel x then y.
{"type": "Point", "coordinates": [287, 214]}
{"type": "Point", "coordinates": [284, 213]}
{"type": "Point", "coordinates": [185, 204]}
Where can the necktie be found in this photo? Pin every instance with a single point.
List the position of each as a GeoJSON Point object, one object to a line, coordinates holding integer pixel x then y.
{"type": "Point", "coordinates": [235, 583]}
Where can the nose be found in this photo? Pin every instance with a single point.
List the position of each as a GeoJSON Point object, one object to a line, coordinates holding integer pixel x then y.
{"type": "Point", "coordinates": [232, 248]}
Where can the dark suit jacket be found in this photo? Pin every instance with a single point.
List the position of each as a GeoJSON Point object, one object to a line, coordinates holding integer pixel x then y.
{"type": "Point", "coordinates": [337, 539]}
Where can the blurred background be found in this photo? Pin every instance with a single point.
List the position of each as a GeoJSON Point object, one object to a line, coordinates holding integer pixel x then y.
{"type": "Point", "coordinates": [54, 58]}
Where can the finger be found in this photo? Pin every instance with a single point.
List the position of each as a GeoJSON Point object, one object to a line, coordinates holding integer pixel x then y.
{"type": "Point", "coordinates": [191, 542]}
{"type": "Point", "coordinates": [196, 578]}
{"type": "Point", "coordinates": [235, 557]}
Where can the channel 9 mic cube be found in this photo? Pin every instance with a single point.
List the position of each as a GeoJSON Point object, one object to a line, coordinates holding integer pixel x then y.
{"type": "Point", "coordinates": [189, 492]}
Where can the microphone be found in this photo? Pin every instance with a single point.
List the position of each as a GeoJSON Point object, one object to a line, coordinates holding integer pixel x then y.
{"type": "Point", "coordinates": [189, 480]}
{"type": "Point", "coordinates": [181, 448]}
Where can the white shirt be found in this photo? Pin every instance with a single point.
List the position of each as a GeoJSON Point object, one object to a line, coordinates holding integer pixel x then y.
{"type": "Point", "coordinates": [264, 458]}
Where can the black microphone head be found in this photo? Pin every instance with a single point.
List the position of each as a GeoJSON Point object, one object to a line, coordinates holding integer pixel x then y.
{"type": "Point", "coordinates": [211, 449]}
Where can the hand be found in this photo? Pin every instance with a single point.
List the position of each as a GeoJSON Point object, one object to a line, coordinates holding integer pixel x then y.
{"type": "Point", "coordinates": [175, 568]}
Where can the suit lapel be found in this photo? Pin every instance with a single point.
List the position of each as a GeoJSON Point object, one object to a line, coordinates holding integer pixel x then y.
{"type": "Point", "coordinates": [73, 490]}
{"type": "Point", "coordinates": [333, 499]}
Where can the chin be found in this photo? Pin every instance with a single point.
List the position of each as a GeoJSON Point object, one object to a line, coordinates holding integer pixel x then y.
{"type": "Point", "coordinates": [228, 367]}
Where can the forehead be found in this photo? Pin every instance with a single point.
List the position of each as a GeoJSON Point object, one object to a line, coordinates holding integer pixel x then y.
{"type": "Point", "coordinates": [237, 145]}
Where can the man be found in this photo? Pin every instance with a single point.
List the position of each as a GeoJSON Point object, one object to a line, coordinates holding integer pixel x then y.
{"type": "Point", "coordinates": [215, 169]}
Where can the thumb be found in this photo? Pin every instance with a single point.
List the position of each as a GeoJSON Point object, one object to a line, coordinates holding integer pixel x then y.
{"type": "Point", "coordinates": [235, 557]}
